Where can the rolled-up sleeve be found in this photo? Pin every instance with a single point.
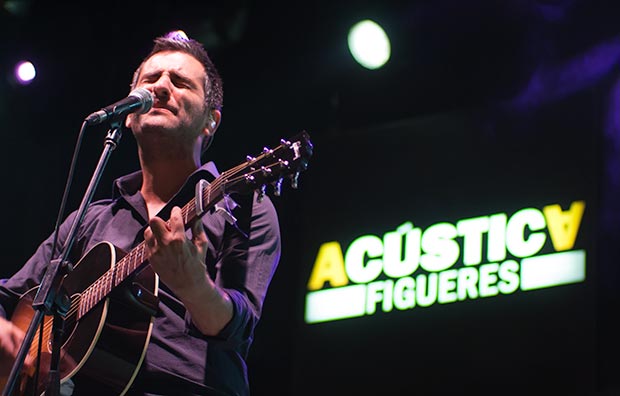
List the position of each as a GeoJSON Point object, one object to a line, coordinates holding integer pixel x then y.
{"type": "Point", "coordinates": [251, 253]}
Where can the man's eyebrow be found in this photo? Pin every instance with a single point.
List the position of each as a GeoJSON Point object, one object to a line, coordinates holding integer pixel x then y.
{"type": "Point", "coordinates": [150, 74]}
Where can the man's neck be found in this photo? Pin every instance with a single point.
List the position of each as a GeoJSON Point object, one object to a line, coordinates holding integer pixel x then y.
{"type": "Point", "coordinates": [162, 180]}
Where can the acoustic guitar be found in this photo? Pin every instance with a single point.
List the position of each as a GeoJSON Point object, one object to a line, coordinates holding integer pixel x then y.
{"type": "Point", "coordinates": [113, 294]}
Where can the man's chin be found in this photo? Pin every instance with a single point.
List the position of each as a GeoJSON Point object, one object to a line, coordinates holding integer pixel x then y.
{"type": "Point", "coordinates": [159, 110]}
{"type": "Point", "coordinates": [157, 120]}
{"type": "Point", "coordinates": [156, 126]}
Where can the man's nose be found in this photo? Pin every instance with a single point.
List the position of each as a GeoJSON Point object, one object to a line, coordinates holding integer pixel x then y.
{"type": "Point", "coordinates": [161, 88]}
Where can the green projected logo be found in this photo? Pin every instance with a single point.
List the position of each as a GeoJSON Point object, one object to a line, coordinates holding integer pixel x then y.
{"type": "Point", "coordinates": [410, 267]}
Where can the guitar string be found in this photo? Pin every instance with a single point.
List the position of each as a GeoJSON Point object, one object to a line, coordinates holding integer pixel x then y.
{"type": "Point", "coordinates": [75, 303]}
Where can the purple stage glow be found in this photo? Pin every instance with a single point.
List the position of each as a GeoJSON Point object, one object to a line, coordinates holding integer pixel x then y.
{"type": "Point", "coordinates": [555, 81]}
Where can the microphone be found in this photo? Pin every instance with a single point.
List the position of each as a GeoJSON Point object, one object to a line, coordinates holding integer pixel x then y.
{"type": "Point", "coordinates": [140, 100]}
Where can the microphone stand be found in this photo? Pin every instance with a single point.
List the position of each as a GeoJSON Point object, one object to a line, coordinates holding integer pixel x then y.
{"type": "Point", "coordinates": [50, 299]}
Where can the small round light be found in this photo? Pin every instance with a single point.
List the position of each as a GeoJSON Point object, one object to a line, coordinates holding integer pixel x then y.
{"type": "Point", "coordinates": [25, 72]}
{"type": "Point", "coordinates": [369, 44]}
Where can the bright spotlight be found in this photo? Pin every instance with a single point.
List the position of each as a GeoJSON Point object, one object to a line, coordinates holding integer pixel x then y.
{"type": "Point", "coordinates": [369, 44]}
{"type": "Point", "coordinates": [25, 72]}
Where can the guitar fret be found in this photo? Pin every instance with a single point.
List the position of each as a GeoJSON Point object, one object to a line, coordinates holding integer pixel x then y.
{"type": "Point", "coordinates": [123, 268]}
{"type": "Point", "coordinates": [81, 306]}
{"type": "Point", "coordinates": [88, 297]}
{"type": "Point", "coordinates": [91, 300]}
{"type": "Point", "coordinates": [112, 275]}
{"type": "Point", "coordinates": [134, 261]}
{"type": "Point", "coordinates": [93, 296]}
{"type": "Point", "coordinates": [99, 294]}
{"type": "Point", "coordinates": [131, 265]}
{"type": "Point", "coordinates": [85, 299]}
{"type": "Point", "coordinates": [123, 271]}
{"type": "Point", "coordinates": [118, 274]}
{"type": "Point", "coordinates": [89, 294]}
{"type": "Point", "coordinates": [106, 280]}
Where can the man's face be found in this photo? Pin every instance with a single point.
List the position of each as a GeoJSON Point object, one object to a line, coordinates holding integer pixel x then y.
{"type": "Point", "coordinates": [177, 81]}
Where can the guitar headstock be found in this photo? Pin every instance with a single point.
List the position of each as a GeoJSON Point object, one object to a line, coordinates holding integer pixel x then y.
{"type": "Point", "coordinates": [272, 167]}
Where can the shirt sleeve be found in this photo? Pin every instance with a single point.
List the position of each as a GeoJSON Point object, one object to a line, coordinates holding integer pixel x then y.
{"type": "Point", "coordinates": [32, 272]}
{"type": "Point", "coordinates": [26, 278]}
{"type": "Point", "coordinates": [250, 257]}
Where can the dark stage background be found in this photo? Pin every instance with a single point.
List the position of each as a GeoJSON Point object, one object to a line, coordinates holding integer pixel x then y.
{"type": "Point", "coordinates": [484, 107]}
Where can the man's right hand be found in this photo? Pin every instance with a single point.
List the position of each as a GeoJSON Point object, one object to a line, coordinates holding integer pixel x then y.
{"type": "Point", "coordinates": [11, 338]}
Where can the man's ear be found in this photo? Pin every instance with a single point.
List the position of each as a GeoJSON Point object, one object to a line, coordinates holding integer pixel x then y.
{"type": "Point", "coordinates": [213, 122]}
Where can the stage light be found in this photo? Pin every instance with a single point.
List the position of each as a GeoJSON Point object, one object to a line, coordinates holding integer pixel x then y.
{"type": "Point", "coordinates": [369, 44]}
{"type": "Point", "coordinates": [25, 72]}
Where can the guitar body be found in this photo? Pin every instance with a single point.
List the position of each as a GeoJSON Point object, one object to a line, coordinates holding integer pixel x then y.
{"type": "Point", "coordinates": [102, 351]}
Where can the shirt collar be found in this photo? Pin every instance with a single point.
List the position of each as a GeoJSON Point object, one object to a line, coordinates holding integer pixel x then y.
{"type": "Point", "coordinates": [128, 185]}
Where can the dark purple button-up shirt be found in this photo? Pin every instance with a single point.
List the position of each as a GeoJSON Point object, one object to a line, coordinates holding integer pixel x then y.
{"type": "Point", "coordinates": [241, 259]}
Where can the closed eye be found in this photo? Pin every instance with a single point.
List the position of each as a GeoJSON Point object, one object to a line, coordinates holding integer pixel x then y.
{"type": "Point", "coordinates": [150, 78]}
{"type": "Point", "coordinates": [182, 82]}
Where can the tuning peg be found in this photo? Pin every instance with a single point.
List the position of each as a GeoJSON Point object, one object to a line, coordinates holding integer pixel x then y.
{"type": "Point", "coordinates": [295, 180]}
{"type": "Point", "coordinates": [261, 193]}
{"type": "Point", "coordinates": [266, 171]}
{"type": "Point", "coordinates": [249, 158]}
{"type": "Point", "coordinates": [267, 150]}
{"type": "Point", "coordinates": [285, 142]}
{"type": "Point", "coordinates": [277, 187]}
